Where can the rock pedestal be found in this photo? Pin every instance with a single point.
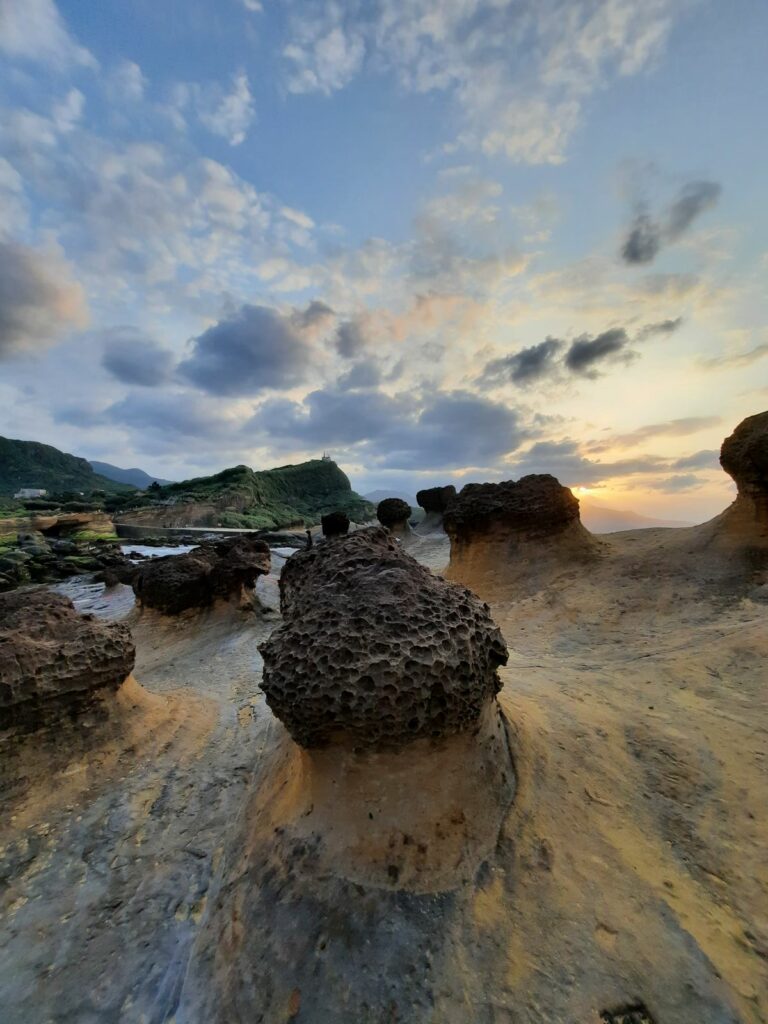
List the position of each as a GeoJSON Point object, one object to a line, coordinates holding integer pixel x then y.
{"type": "Point", "coordinates": [434, 501]}
{"type": "Point", "coordinates": [334, 524]}
{"type": "Point", "coordinates": [509, 538]}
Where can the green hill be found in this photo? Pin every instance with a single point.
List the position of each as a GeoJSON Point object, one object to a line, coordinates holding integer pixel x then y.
{"type": "Point", "coordinates": [273, 498]}
{"type": "Point", "coordinates": [30, 464]}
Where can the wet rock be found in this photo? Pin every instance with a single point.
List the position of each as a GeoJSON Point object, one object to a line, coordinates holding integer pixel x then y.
{"type": "Point", "coordinates": [375, 649]}
{"type": "Point", "coordinates": [53, 659]}
{"type": "Point", "coordinates": [33, 542]}
{"type": "Point", "coordinates": [515, 534]}
{"type": "Point", "coordinates": [394, 513]}
{"type": "Point", "coordinates": [335, 524]}
{"type": "Point", "coordinates": [222, 569]}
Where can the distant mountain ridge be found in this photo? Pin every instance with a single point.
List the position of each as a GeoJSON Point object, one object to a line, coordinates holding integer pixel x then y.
{"type": "Point", "coordinates": [599, 519]}
{"type": "Point", "coordinates": [31, 464]}
{"type": "Point", "coordinates": [134, 477]}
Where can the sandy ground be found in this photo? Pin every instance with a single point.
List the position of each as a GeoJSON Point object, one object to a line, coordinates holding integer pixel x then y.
{"type": "Point", "coordinates": [631, 868]}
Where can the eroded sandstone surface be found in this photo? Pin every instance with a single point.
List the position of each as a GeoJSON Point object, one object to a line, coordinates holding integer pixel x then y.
{"type": "Point", "coordinates": [52, 659]}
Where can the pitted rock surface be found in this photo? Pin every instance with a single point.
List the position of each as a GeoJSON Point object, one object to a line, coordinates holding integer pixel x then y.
{"type": "Point", "coordinates": [436, 499]}
{"type": "Point", "coordinates": [51, 657]}
{"type": "Point", "coordinates": [334, 524]}
{"type": "Point", "coordinates": [744, 455]}
{"type": "Point", "coordinates": [536, 505]}
{"type": "Point", "coordinates": [376, 651]}
{"type": "Point", "coordinates": [196, 579]}
{"type": "Point", "coordinates": [393, 512]}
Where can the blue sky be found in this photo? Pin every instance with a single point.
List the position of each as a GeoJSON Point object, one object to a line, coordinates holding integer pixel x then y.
{"type": "Point", "coordinates": [451, 240]}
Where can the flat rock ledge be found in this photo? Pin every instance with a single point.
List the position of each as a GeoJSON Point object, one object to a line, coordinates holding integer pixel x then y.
{"type": "Point", "coordinates": [222, 570]}
{"type": "Point", "coordinates": [52, 659]}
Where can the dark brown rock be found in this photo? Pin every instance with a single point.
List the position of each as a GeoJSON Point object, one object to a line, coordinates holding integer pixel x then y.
{"type": "Point", "coordinates": [376, 651]}
{"type": "Point", "coordinates": [537, 505]}
{"type": "Point", "coordinates": [744, 456]}
{"type": "Point", "coordinates": [334, 524]}
{"type": "Point", "coordinates": [394, 513]}
{"type": "Point", "coordinates": [222, 569]}
{"type": "Point", "coordinates": [436, 499]}
{"type": "Point", "coordinates": [53, 659]}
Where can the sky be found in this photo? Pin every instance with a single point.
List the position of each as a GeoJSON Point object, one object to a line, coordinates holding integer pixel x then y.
{"type": "Point", "coordinates": [444, 241]}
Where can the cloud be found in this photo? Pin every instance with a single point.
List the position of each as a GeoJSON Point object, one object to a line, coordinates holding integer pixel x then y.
{"type": "Point", "coordinates": [647, 236]}
{"type": "Point", "coordinates": [252, 350]}
{"type": "Point", "coordinates": [586, 352]}
{"type": "Point", "coordinates": [672, 428]}
{"type": "Point", "coordinates": [127, 82]}
{"type": "Point", "coordinates": [520, 73]}
{"type": "Point", "coordinates": [133, 358]}
{"type": "Point", "coordinates": [680, 482]}
{"type": "Point", "coordinates": [317, 316]}
{"type": "Point", "coordinates": [351, 339]}
{"type": "Point", "coordinates": [737, 359]}
{"type": "Point", "coordinates": [661, 327]}
{"type": "Point", "coordinates": [34, 30]}
{"type": "Point", "coordinates": [39, 299]}
{"type": "Point", "coordinates": [705, 459]}
{"type": "Point", "coordinates": [406, 431]}
{"type": "Point", "coordinates": [165, 421]}
{"type": "Point", "coordinates": [524, 367]}
{"type": "Point", "coordinates": [226, 114]}
{"type": "Point", "coordinates": [365, 374]}
{"type": "Point", "coordinates": [254, 6]}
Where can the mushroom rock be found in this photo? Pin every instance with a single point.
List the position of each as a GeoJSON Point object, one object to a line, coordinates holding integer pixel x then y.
{"type": "Point", "coordinates": [742, 529]}
{"type": "Point", "coordinates": [378, 802]}
{"type": "Point", "coordinates": [434, 501]}
{"type": "Point", "coordinates": [394, 513]}
{"type": "Point", "coordinates": [54, 660]}
{"type": "Point", "coordinates": [335, 524]}
{"type": "Point", "coordinates": [223, 570]}
{"type": "Point", "coordinates": [513, 536]}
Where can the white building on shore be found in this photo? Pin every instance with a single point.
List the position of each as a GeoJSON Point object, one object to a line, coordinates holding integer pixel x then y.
{"type": "Point", "coordinates": [31, 492]}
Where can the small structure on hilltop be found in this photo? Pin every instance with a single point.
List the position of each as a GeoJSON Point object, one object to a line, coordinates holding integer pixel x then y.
{"type": "Point", "coordinates": [394, 513]}
{"type": "Point", "coordinates": [510, 538]}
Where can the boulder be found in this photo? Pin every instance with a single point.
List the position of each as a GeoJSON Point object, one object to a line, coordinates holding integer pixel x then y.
{"type": "Point", "coordinates": [223, 569]}
{"type": "Point", "coordinates": [376, 651]}
{"type": "Point", "coordinates": [513, 536]}
{"type": "Point", "coordinates": [394, 513]}
{"type": "Point", "coordinates": [52, 659]}
{"type": "Point", "coordinates": [334, 524]}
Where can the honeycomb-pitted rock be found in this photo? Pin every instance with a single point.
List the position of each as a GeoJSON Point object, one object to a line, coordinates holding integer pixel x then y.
{"type": "Point", "coordinates": [436, 499]}
{"type": "Point", "coordinates": [195, 579]}
{"type": "Point", "coordinates": [744, 456]}
{"type": "Point", "coordinates": [376, 651]}
{"type": "Point", "coordinates": [394, 513]}
{"type": "Point", "coordinates": [334, 524]}
{"type": "Point", "coordinates": [537, 505]}
{"type": "Point", "coordinates": [52, 658]}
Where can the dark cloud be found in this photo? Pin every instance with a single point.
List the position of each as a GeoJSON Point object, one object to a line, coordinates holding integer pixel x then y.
{"type": "Point", "coordinates": [133, 358]}
{"type": "Point", "coordinates": [350, 339]}
{"type": "Point", "coordinates": [681, 482]}
{"type": "Point", "coordinates": [647, 235]}
{"type": "Point", "coordinates": [643, 241]}
{"type": "Point", "coordinates": [365, 374]}
{"type": "Point", "coordinates": [38, 299]}
{"type": "Point", "coordinates": [565, 460]}
{"type": "Point", "coordinates": [395, 432]}
{"type": "Point", "coordinates": [524, 367]}
{"type": "Point", "coordinates": [252, 350]}
{"type": "Point", "coordinates": [705, 459]}
{"type": "Point", "coordinates": [169, 421]}
{"type": "Point", "coordinates": [317, 314]}
{"type": "Point", "coordinates": [586, 352]}
{"type": "Point", "coordinates": [661, 327]}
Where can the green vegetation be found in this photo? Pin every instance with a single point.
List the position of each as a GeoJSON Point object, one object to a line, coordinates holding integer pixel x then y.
{"type": "Point", "coordinates": [29, 464]}
{"type": "Point", "coordinates": [273, 498]}
{"type": "Point", "coordinates": [93, 536]}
